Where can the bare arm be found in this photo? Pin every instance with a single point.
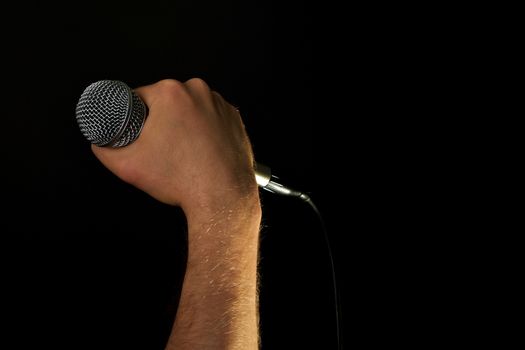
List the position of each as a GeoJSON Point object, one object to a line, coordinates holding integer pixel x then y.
{"type": "Point", "coordinates": [218, 305]}
{"type": "Point", "coordinates": [194, 152]}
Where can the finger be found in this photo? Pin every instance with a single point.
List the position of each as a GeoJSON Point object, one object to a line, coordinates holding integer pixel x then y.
{"type": "Point", "coordinates": [146, 93]}
{"type": "Point", "coordinates": [197, 84]}
{"type": "Point", "coordinates": [110, 154]}
{"type": "Point", "coordinates": [149, 93]}
{"type": "Point", "coordinates": [218, 100]}
{"type": "Point", "coordinates": [102, 153]}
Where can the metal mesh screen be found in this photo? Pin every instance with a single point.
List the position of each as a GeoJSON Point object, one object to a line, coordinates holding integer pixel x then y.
{"type": "Point", "coordinates": [110, 113]}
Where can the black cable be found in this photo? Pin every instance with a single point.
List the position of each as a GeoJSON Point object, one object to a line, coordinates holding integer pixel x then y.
{"type": "Point", "coordinates": [338, 321]}
{"type": "Point", "coordinates": [269, 183]}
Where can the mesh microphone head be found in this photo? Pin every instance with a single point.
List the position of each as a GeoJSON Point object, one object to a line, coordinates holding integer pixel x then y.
{"type": "Point", "coordinates": [109, 113]}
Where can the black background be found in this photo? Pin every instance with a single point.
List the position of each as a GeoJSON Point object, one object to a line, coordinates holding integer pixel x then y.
{"type": "Point", "coordinates": [97, 263]}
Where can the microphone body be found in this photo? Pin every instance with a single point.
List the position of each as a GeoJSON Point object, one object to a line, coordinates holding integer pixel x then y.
{"type": "Point", "coordinates": [109, 113]}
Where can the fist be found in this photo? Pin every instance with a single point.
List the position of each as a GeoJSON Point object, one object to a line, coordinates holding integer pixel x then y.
{"type": "Point", "coordinates": [193, 150]}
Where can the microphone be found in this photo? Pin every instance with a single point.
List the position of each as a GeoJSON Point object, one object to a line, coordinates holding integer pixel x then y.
{"type": "Point", "coordinates": [109, 113]}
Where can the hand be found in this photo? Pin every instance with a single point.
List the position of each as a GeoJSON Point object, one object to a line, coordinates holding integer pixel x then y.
{"type": "Point", "coordinates": [192, 152]}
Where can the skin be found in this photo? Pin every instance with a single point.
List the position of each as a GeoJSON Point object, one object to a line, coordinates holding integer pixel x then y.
{"type": "Point", "coordinates": [194, 152]}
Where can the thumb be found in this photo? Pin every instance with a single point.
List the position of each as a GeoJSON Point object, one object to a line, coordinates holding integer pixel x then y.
{"type": "Point", "coordinates": [118, 160]}
{"type": "Point", "coordinates": [146, 93]}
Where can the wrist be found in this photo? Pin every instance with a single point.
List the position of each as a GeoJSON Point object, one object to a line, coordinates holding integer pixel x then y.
{"type": "Point", "coordinates": [225, 232]}
{"type": "Point", "coordinates": [227, 204]}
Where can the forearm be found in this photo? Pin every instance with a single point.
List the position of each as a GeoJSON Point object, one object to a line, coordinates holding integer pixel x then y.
{"type": "Point", "coordinates": [193, 152]}
{"type": "Point", "coordinates": [218, 304]}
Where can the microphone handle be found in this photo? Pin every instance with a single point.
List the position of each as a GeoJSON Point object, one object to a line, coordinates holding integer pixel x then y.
{"type": "Point", "coordinates": [265, 180]}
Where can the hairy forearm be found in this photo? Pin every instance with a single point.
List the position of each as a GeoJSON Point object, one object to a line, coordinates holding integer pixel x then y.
{"type": "Point", "coordinates": [218, 304]}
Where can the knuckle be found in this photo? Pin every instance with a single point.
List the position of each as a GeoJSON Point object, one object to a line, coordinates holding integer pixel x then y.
{"type": "Point", "coordinates": [197, 83]}
{"type": "Point", "coordinates": [170, 87]}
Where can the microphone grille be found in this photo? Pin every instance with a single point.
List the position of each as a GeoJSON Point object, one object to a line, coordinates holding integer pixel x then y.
{"type": "Point", "coordinates": [109, 113]}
